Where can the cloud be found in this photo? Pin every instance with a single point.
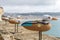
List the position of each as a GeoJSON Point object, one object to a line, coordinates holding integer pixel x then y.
{"type": "Point", "coordinates": [31, 6]}
{"type": "Point", "coordinates": [27, 2]}
{"type": "Point", "coordinates": [22, 9]}
{"type": "Point", "coordinates": [57, 6]}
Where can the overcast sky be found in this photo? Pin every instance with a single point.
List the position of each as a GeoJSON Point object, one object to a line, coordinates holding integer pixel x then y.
{"type": "Point", "coordinates": [30, 5]}
{"type": "Point", "coordinates": [27, 2]}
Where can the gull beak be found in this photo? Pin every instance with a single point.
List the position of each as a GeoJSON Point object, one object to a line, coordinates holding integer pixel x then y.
{"type": "Point", "coordinates": [54, 18]}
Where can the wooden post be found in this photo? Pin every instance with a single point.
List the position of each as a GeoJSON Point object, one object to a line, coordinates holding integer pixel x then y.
{"type": "Point", "coordinates": [40, 35]}
{"type": "Point", "coordinates": [15, 27]}
{"type": "Point", "coordinates": [5, 23]}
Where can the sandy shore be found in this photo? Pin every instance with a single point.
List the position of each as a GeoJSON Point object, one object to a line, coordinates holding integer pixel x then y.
{"type": "Point", "coordinates": [23, 34]}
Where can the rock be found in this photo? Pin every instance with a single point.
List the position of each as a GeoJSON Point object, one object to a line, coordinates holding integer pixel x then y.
{"type": "Point", "coordinates": [1, 38]}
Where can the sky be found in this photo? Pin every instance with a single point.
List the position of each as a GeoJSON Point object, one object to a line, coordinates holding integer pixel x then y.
{"type": "Point", "coordinates": [26, 2]}
{"type": "Point", "coordinates": [25, 6]}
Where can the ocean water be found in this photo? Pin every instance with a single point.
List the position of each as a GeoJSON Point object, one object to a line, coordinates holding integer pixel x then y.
{"type": "Point", "coordinates": [55, 29]}
{"type": "Point", "coordinates": [34, 14]}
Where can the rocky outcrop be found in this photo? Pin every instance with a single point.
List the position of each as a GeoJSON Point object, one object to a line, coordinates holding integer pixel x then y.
{"type": "Point", "coordinates": [1, 38]}
{"type": "Point", "coordinates": [23, 34]}
{"type": "Point", "coordinates": [47, 37]}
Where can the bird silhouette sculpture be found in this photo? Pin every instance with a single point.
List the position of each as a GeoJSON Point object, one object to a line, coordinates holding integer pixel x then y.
{"type": "Point", "coordinates": [40, 26]}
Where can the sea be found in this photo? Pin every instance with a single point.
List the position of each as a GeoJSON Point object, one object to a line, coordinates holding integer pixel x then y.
{"type": "Point", "coordinates": [34, 14]}
{"type": "Point", "coordinates": [55, 25]}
